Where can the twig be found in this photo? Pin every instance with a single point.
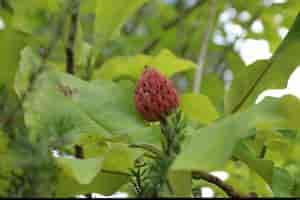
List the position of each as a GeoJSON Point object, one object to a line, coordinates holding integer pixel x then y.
{"type": "Point", "coordinates": [172, 23]}
{"type": "Point", "coordinates": [230, 191]}
{"type": "Point", "coordinates": [204, 46]}
{"type": "Point", "coordinates": [70, 63]}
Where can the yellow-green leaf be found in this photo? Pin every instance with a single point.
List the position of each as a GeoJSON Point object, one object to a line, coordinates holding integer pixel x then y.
{"type": "Point", "coordinates": [262, 75]}
{"type": "Point", "coordinates": [199, 108]}
{"type": "Point", "coordinates": [132, 66]}
{"type": "Point", "coordinates": [82, 170]}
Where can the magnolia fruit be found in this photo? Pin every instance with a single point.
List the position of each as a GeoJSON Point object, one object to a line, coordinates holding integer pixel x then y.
{"type": "Point", "coordinates": [155, 95]}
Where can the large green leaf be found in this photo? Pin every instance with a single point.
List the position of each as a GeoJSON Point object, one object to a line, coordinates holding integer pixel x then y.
{"type": "Point", "coordinates": [262, 167]}
{"type": "Point", "coordinates": [104, 183]}
{"type": "Point", "coordinates": [116, 158]}
{"type": "Point", "coordinates": [110, 16]}
{"type": "Point", "coordinates": [198, 108]}
{"type": "Point", "coordinates": [83, 170]}
{"type": "Point", "coordinates": [11, 44]}
{"type": "Point", "coordinates": [235, 62]}
{"type": "Point", "coordinates": [7, 164]}
{"type": "Point", "coordinates": [219, 139]}
{"type": "Point", "coordinates": [264, 75]}
{"type": "Point", "coordinates": [3, 142]}
{"type": "Point", "coordinates": [132, 66]}
{"type": "Point", "coordinates": [282, 183]}
{"type": "Point", "coordinates": [59, 104]}
{"type": "Point", "coordinates": [33, 16]}
{"type": "Point", "coordinates": [120, 158]}
{"type": "Point", "coordinates": [213, 87]}
{"type": "Point", "coordinates": [181, 183]}
{"type": "Point", "coordinates": [245, 179]}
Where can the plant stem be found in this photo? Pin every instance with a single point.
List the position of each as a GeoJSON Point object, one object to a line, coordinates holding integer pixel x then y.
{"type": "Point", "coordinates": [171, 128]}
{"type": "Point", "coordinates": [70, 60]}
{"type": "Point", "coordinates": [230, 191]}
{"type": "Point", "coordinates": [204, 46]}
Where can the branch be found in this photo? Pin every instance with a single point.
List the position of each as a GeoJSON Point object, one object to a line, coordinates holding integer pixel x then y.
{"type": "Point", "coordinates": [70, 63]}
{"type": "Point", "coordinates": [230, 191]}
{"type": "Point", "coordinates": [167, 26]}
{"type": "Point", "coordinates": [204, 47]}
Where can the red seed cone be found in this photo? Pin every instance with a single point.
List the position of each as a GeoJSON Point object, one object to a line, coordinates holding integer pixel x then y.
{"type": "Point", "coordinates": [155, 95]}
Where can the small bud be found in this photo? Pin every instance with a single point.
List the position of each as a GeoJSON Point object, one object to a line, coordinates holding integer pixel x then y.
{"type": "Point", "coordinates": [155, 95]}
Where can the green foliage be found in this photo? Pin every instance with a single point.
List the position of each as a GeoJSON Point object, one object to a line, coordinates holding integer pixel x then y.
{"type": "Point", "coordinates": [11, 44]}
{"type": "Point", "coordinates": [83, 171]}
{"type": "Point", "coordinates": [181, 183]}
{"type": "Point", "coordinates": [104, 183]}
{"type": "Point", "coordinates": [116, 13]}
{"type": "Point", "coordinates": [265, 74]}
{"type": "Point", "coordinates": [84, 107]}
{"type": "Point", "coordinates": [198, 108]}
{"type": "Point", "coordinates": [132, 67]}
{"type": "Point", "coordinates": [89, 117]}
{"type": "Point", "coordinates": [270, 113]}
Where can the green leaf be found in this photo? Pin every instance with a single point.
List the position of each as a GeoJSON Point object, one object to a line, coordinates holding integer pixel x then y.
{"type": "Point", "coordinates": [213, 88]}
{"type": "Point", "coordinates": [83, 108]}
{"type": "Point", "coordinates": [3, 142]}
{"type": "Point", "coordinates": [11, 44]}
{"type": "Point", "coordinates": [264, 75]}
{"type": "Point", "coordinates": [29, 65]}
{"type": "Point", "coordinates": [181, 183]}
{"type": "Point", "coordinates": [82, 170]}
{"type": "Point", "coordinates": [103, 183]}
{"type": "Point", "coordinates": [33, 16]}
{"type": "Point", "coordinates": [92, 174]}
{"type": "Point", "coordinates": [8, 164]}
{"type": "Point", "coordinates": [264, 168]}
{"type": "Point", "coordinates": [282, 183]}
{"type": "Point", "coordinates": [219, 139]}
{"type": "Point", "coordinates": [112, 157]}
{"type": "Point", "coordinates": [245, 179]}
{"type": "Point", "coordinates": [110, 16]}
{"type": "Point", "coordinates": [132, 66]}
{"type": "Point", "coordinates": [235, 62]}
{"type": "Point", "coordinates": [199, 108]}
{"type": "Point", "coordinates": [120, 158]}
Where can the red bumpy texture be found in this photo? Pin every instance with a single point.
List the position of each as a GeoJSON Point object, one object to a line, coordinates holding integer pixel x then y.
{"type": "Point", "coordinates": [155, 95]}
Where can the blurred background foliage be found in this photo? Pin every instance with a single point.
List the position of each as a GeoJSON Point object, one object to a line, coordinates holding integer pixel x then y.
{"type": "Point", "coordinates": [162, 33]}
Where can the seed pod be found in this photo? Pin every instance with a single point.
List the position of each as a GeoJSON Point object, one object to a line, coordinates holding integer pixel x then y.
{"type": "Point", "coordinates": [155, 95]}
